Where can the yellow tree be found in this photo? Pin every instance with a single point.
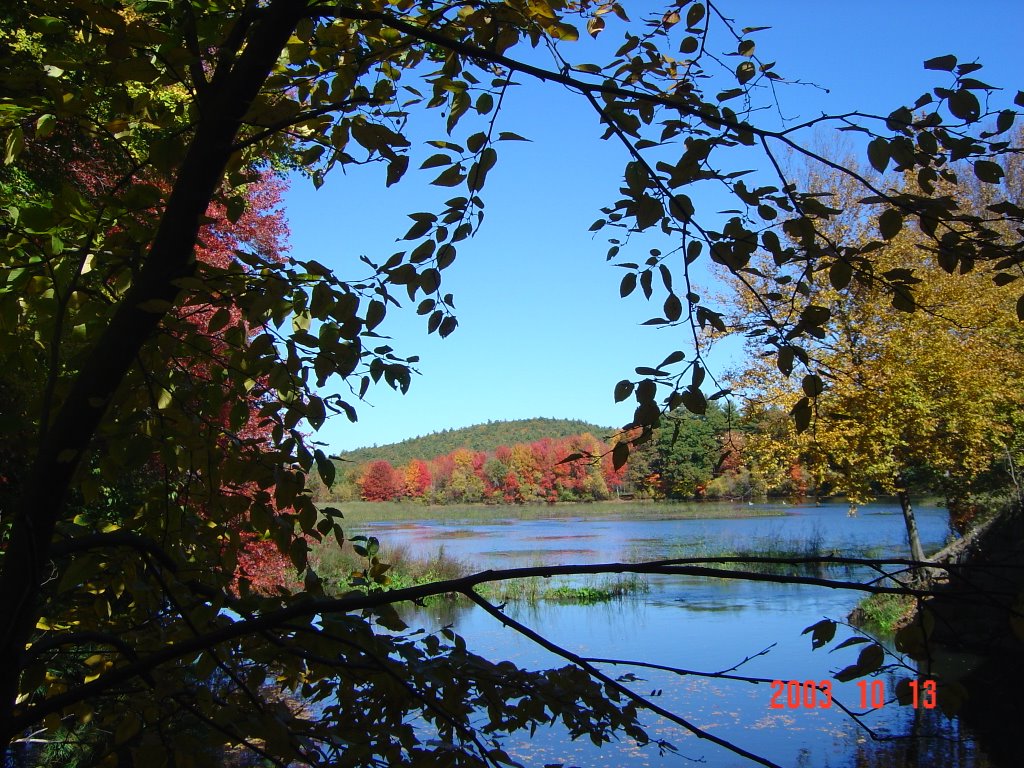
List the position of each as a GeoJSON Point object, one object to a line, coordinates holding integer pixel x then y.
{"type": "Point", "coordinates": [934, 387]}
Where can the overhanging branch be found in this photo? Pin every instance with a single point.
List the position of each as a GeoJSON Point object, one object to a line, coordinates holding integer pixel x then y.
{"type": "Point", "coordinates": [310, 607]}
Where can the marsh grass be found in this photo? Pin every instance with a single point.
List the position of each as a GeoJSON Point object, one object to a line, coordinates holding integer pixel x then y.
{"type": "Point", "coordinates": [335, 565]}
{"type": "Point", "coordinates": [535, 589]}
{"type": "Point", "coordinates": [772, 545]}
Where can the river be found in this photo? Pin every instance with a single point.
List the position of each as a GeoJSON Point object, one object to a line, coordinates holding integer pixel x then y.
{"type": "Point", "coordinates": [705, 625]}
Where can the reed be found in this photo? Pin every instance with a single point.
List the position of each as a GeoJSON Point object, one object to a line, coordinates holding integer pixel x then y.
{"type": "Point", "coordinates": [336, 566]}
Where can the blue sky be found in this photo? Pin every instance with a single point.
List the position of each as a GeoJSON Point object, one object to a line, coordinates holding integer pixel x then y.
{"type": "Point", "coordinates": [542, 331]}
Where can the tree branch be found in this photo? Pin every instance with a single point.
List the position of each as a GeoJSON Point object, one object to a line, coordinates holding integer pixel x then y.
{"type": "Point", "coordinates": [307, 608]}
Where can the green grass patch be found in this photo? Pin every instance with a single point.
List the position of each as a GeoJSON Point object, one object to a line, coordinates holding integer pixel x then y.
{"type": "Point", "coordinates": [535, 589]}
{"type": "Point", "coordinates": [886, 612]}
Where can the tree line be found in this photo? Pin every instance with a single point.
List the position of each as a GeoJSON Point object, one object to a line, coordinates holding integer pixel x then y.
{"type": "Point", "coordinates": [486, 437]}
{"type": "Point", "coordinates": [719, 454]}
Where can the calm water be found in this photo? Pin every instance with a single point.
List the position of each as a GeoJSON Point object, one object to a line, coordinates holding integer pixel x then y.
{"type": "Point", "coordinates": [703, 625]}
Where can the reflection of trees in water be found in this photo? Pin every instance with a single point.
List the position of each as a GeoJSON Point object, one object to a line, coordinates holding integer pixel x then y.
{"type": "Point", "coordinates": [437, 613]}
{"type": "Point", "coordinates": [907, 738]}
{"type": "Point", "coordinates": [931, 739]}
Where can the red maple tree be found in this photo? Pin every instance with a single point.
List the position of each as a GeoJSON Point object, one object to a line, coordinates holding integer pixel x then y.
{"type": "Point", "coordinates": [380, 482]}
{"type": "Point", "coordinates": [259, 226]}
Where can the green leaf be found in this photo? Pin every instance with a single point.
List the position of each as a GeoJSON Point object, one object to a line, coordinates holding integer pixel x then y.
{"type": "Point", "coordinates": [164, 399]}
{"type": "Point", "coordinates": [890, 223]}
{"type": "Point", "coordinates": [127, 726]}
{"type": "Point", "coordinates": [695, 14]}
{"type": "Point", "coordinates": [436, 161]}
{"type": "Point", "coordinates": [802, 414]}
{"type": "Point", "coordinates": [14, 144]}
{"type": "Point", "coordinates": [964, 105]}
{"type": "Point", "coordinates": [450, 177]}
{"type": "Point", "coordinates": [673, 307]}
{"type": "Point", "coordinates": [623, 390]}
{"type": "Point", "coordinates": [869, 660]}
{"type": "Point", "coordinates": [387, 617]}
{"type": "Point", "coordinates": [562, 31]}
{"type": "Point", "coordinates": [139, 70]}
{"type": "Point", "coordinates": [948, 259]}
{"type": "Point", "coordinates": [840, 274]}
{"type": "Point", "coordinates": [645, 282]}
{"type": "Point", "coordinates": [397, 169]}
{"type": "Point", "coordinates": [745, 72]}
{"type": "Point", "coordinates": [903, 299]}
{"type": "Point", "coordinates": [375, 313]}
{"type": "Point", "coordinates": [694, 401]}
{"type": "Point", "coordinates": [476, 142]}
{"type": "Point", "coordinates": [324, 467]}
{"type": "Point", "coordinates": [620, 455]}
{"type": "Point", "coordinates": [899, 120]}
{"type": "Point", "coordinates": [784, 360]}
{"type": "Point", "coordinates": [1005, 120]}
{"type": "Point", "coordinates": [855, 640]}
{"type": "Point", "coordinates": [989, 172]}
{"type": "Point", "coordinates": [677, 357]}
{"type": "Point", "coordinates": [879, 154]}
{"type": "Point", "coordinates": [430, 280]}
{"type": "Point", "coordinates": [689, 45]}
{"type": "Point", "coordinates": [447, 326]}
{"type": "Point", "coordinates": [154, 306]}
{"type": "Point", "coordinates": [45, 125]}
{"type": "Point", "coordinates": [445, 256]}
{"type": "Point", "coordinates": [821, 633]}
{"type": "Point", "coordinates": [812, 385]}
{"type": "Point", "coordinates": [945, 63]}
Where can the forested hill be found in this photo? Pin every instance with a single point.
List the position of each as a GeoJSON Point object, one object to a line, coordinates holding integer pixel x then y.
{"type": "Point", "coordinates": [479, 437]}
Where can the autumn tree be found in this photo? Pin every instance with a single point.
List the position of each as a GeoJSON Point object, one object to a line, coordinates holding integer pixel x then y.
{"type": "Point", "coordinates": [135, 631]}
{"type": "Point", "coordinates": [931, 389]}
{"type": "Point", "coordinates": [417, 478]}
{"type": "Point", "coordinates": [465, 483]}
{"type": "Point", "coordinates": [381, 482]}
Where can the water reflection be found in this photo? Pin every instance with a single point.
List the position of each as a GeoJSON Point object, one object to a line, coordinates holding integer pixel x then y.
{"type": "Point", "coordinates": [703, 625]}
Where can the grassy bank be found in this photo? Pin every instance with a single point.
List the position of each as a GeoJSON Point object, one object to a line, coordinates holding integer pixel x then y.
{"type": "Point", "coordinates": [337, 565]}
{"type": "Point", "coordinates": [356, 512]}
{"type": "Point", "coordinates": [885, 613]}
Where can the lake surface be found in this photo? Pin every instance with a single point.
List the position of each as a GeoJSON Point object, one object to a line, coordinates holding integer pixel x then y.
{"type": "Point", "coordinates": [704, 625]}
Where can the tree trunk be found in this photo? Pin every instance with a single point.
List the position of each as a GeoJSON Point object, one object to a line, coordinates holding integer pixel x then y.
{"type": "Point", "coordinates": [916, 551]}
{"type": "Point", "coordinates": [170, 258]}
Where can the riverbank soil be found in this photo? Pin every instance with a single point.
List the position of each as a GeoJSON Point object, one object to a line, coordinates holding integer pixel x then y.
{"type": "Point", "coordinates": [978, 611]}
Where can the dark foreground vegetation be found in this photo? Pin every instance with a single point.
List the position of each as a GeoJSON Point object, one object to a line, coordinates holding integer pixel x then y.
{"type": "Point", "coordinates": [165, 363]}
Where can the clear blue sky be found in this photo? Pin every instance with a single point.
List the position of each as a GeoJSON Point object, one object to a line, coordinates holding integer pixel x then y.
{"type": "Point", "coordinates": [542, 331]}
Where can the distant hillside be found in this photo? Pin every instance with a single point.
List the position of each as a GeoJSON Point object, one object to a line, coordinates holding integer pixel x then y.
{"type": "Point", "coordinates": [480, 437]}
